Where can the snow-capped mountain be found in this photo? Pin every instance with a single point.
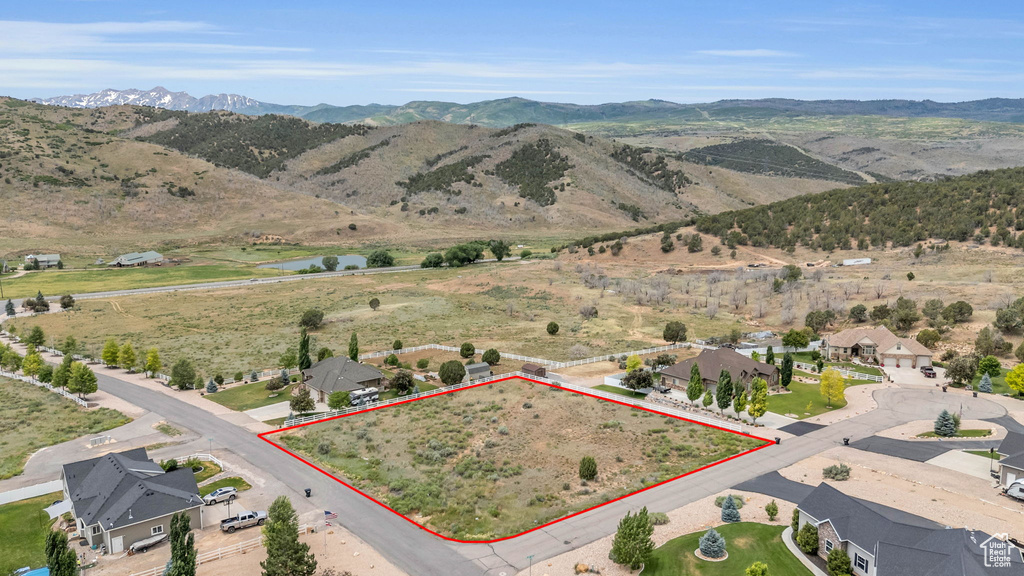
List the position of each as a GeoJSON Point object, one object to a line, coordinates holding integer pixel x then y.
{"type": "Point", "coordinates": [158, 97]}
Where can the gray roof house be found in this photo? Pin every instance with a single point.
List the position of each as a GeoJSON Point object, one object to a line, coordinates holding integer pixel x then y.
{"type": "Point", "coordinates": [121, 498]}
{"type": "Point", "coordinates": [137, 259]}
{"type": "Point", "coordinates": [477, 371]}
{"type": "Point", "coordinates": [339, 374]}
{"type": "Point", "coordinates": [887, 542]}
{"type": "Point", "coordinates": [44, 260]}
{"type": "Point", "coordinates": [1011, 467]}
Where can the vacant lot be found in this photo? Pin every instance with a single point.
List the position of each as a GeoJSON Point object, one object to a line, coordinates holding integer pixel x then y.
{"type": "Point", "coordinates": [32, 418]}
{"type": "Point", "coordinates": [24, 526]}
{"type": "Point", "coordinates": [500, 459]}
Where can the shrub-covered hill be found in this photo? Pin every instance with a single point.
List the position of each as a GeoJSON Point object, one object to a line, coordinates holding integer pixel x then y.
{"type": "Point", "coordinates": [987, 206]}
{"type": "Point", "coordinates": [760, 156]}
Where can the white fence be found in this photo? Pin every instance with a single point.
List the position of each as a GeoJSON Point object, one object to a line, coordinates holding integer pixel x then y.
{"type": "Point", "coordinates": [219, 553]}
{"type": "Point", "coordinates": [592, 392]}
{"type": "Point", "coordinates": [201, 458]}
{"type": "Point", "coordinates": [849, 374]}
{"type": "Point", "coordinates": [30, 380]}
{"type": "Point", "coordinates": [543, 361]}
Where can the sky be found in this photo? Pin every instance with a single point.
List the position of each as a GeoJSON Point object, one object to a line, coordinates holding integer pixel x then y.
{"type": "Point", "coordinates": [343, 52]}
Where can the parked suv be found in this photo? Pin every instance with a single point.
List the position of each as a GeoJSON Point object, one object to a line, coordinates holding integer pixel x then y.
{"type": "Point", "coordinates": [928, 371]}
{"type": "Point", "coordinates": [227, 493]}
{"type": "Point", "coordinates": [243, 520]}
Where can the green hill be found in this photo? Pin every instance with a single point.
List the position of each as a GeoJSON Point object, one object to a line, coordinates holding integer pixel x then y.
{"type": "Point", "coordinates": [771, 159]}
{"type": "Point", "coordinates": [987, 206]}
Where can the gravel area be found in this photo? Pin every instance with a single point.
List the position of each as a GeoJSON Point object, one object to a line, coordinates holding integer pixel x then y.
{"type": "Point", "coordinates": [698, 516]}
{"type": "Point", "coordinates": [910, 430]}
{"type": "Point", "coordinates": [945, 496]}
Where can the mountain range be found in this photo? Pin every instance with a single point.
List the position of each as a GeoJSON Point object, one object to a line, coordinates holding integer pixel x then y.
{"type": "Point", "coordinates": [510, 111]}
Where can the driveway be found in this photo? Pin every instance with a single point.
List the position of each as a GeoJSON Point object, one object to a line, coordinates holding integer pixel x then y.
{"type": "Point", "coordinates": [907, 376]}
{"type": "Point", "coordinates": [970, 464]}
{"type": "Point", "coordinates": [918, 451]}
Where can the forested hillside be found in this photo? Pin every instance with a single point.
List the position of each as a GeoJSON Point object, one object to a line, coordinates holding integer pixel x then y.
{"type": "Point", "coordinates": [771, 158]}
{"type": "Point", "coordinates": [987, 206]}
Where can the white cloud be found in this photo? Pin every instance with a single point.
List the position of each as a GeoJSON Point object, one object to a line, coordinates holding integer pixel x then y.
{"type": "Point", "coordinates": [752, 53]}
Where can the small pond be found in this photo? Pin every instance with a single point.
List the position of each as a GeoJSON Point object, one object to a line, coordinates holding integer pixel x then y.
{"type": "Point", "coordinates": [293, 265]}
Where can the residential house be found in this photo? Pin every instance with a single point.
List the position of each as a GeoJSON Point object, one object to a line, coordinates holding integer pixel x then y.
{"type": "Point", "coordinates": [477, 371]}
{"type": "Point", "coordinates": [882, 541]}
{"type": "Point", "coordinates": [44, 260]}
{"type": "Point", "coordinates": [137, 259]}
{"type": "Point", "coordinates": [712, 362]}
{"type": "Point", "coordinates": [124, 497]}
{"type": "Point", "coordinates": [877, 346]}
{"type": "Point", "coordinates": [339, 374]}
{"type": "Point", "coordinates": [1011, 466]}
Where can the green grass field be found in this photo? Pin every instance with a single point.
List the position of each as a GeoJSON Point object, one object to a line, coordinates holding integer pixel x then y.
{"type": "Point", "coordinates": [238, 483]}
{"type": "Point", "coordinates": [985, 454]}
{"type": "Point", "coordinates": [796, 401]}
{"type": "Point", "coordinates": [746, 543]}
{"type": "Point", "coordinates": [968, 433]}
{"type": "Point", "coordinates": [248, 396]}
{"type": "Point", "coordinates": [57, 282]}
{"type": "Point", "coordinates": [210, 469]}
{"type": "Point", "coordinates": [33, 418]}
{"type": "Point", "coordinates": [620, 391]}
{"type": "Point", "coordinates": [23, 526]}
{"type": "Point", "coordinates": [999, 385]}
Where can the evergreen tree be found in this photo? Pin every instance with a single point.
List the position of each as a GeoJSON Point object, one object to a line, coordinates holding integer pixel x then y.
{"type": "Point", "coordinates": [769, 357]}
{"type": "Point", "coordinates": [56, 542]}
{"type": "Point", "coordinates": [70, 345]}
{"type": "Point", "coordinates": [491, 356]}
{"type": "Point", "coordinates": [986, 384]}
{"type": "Point", "coordinates": [467, 350]}
{"type": "Point", "coordinates": [211, 386]}
{"type": "Point", "coordinates": [695, 388]}
{"type": "Point", "coordinates": [36, 336]}
{"type": "Point", "coordinates": [708, 400]}
{"type": "Point", "coordinates": [712, 545]}
{"type": "Point", "coordinates": [839, 562]}
{"type": "Point", "coordinates": [588, 468]}
{"type": "Point", "coordinates": [451, 372]}
{"type": "Point", "coordinates": [723, 392]}
{"type": "Point", "coordinates": [729, 511]}
{"type": "Point", "coordinates": [183, 546]}
{"type": "Point", "coordinates": [110, 352]}
{"type": "Point", "coordinates": [304, 360]}
{"type": "Point", "coordinates": [786, 375]}
{"type": "Point", "coordinates": [10, 309]}
{"type": "Point", "coordinates": [353, 347]}
{"type": "Point", "coordinates": [807, 538]}
{"type": "Point", "coordinates": [632, 544]}
{"type": "Point", "coordinates": [945, 425]}
{"type": "Point", "coordinates": [153, 364]}
{"type": "Point", "coordinates": [65, 563]}
{"type": "Point", "coordinates": [772, 508]}
{"type": "Point", "coordinates": [675, 331]}
{"type": "Point", "coordinates": [286, 556]}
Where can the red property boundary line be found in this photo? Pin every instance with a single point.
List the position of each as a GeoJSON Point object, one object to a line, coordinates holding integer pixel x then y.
{"type": "Point", "coordinates": [264, 436]}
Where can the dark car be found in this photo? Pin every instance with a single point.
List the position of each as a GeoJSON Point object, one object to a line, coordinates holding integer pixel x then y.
{"type": "Point", "coordinates": [928, 371]}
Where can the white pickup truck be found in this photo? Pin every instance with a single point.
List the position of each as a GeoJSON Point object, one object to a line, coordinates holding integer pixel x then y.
{"type": "Point", "coordinates": [243, 520]}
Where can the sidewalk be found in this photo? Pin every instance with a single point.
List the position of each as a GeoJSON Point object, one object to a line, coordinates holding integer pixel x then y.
{"type": "Point", "coordinates": [788, 539]}
{"type": "Point", "coordinates": [31, 491]}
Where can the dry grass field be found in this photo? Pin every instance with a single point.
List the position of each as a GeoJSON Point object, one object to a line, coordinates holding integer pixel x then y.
{"type": "Point", "coordinates": [499, 459]}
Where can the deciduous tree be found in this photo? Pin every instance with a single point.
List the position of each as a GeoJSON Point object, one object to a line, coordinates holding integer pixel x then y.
{"type": "Point", "coordinates": [153, 364]}
{"type": "Point", "coordinates": [302, 401]}
{"type": "Point", "coordinates": [832, 386]}
{"type": "Point", "coordinates": [380, 259]}
{"type": "Point", "coordinates": [633, 362]}
{"type": "Point", "coordinates": [110, 352]}
{"type": "Point", "coordinates": [990, 365]}
{"type": "Point", "coordinates": [758, 398]}
{"type": "Point", "coordinates": [638, 379]}
{"type": "Point", "coordinates": [82, 380]}
{"type": "Point", "coordinates": [695, 387]}
{"type": "Point", "coordinates": [126, 357]}
{"type": "Point", "coordinates": [402, 382]}
{"type": "Point", "coordinates": [338, 400]}
{"type": "Point", "coordinates": [183, 546]}
{"type": "Point", "coordinates": [1015, 379]}
{"type": "Point", "coordinates": [311, 319]}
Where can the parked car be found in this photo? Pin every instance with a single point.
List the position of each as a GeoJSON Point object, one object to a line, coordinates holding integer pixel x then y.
{"type": "Point", "coordinates": [228, 493]}
{"type": "Point", "coordinates": [928, 371]}
{"type": "Point", "coordinates": [243, 520]}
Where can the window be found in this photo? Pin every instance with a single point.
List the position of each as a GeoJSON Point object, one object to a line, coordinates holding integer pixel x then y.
{"type": "Point", "coordinates": [96, 529]}
{"type": "Point", "coordinates": [860, 563]}
{"type": "Point", "coordinates": [158, 529]}
{"type": "Point", "coordinates": [828, 546]}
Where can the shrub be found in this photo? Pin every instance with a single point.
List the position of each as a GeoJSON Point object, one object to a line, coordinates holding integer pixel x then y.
{"type": "Point", "coordinates": [422, 363]}
{"type": "Point", "coordinates": [525, 254]}
{"type": "Point", "coordinates": [391, 360]}
{"type": "Point", "coordinates": [757, 568]}
{"type": "Point", "coordinates": [491, 356]}
{"type": "Point", "coordinates": [839, 562]}
{"type": "Point", "coordinates": [451, 372]}
{"type": "Point", "coordinates": [311, 319]}
{"type": "Point", "coordinates": [552, 328]}
{"type": "Point", "coordinates": [712, 545]}
{"type": "Point", "coordinates": [325, 447]}
{"type": "Point", "coordinates": [795, 524]}
{"type": "Point", "coordinates": [658, 518]}
{"type": "Point", "coordinates": [468, 350]}
{"type": "Point", "coordinates": [772, 509]}
{"type": "Point", "coordinates": [433, 260]}
{"type": "Point", "coordinates": [588, 468]}
{"type": "Point", "coordinates": [807, 538]}
{"type": "Point", "coordinates": [837, 472]}
{"type": "Point", "coordinates": [736, 499]}
{"type": "Point", "coordinates": [169, 465]}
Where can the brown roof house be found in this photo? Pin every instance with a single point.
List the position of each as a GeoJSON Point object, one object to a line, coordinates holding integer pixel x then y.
{"type": "Point", "coordinates": [339, 374]}
{"type": "Point", "coordinates": [876, 345]}
{"type": "Point", "coordinates": [712, 362]}
{"type": "Point", "coordinates": [124, 497]}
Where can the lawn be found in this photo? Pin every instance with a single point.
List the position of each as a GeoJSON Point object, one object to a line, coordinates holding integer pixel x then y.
{"type": "Point", "coordinates": [968, 433]}
{"type": "Point", "coordinates": [999, 385]}
{"type": "Point", "coordinates": [797, 400]}
{"type": "Point", "coordinates": [24, 526]}
{"type": "Point", "coordinates": [392, 394]}
{"type": "Point", "coordinates": [210, 469]}
{"type": "Point", "coordinates": [806, 357]}
{"type": "Point", "coordinates": [746, 543]}
{"type": "Point", "coordinates": [621, 391]}
{"type": "Point", "coordinates": [55, 282]}
{"type": "Point", "coordinates": [248, 396]}
{"type": "Point", "coordinates": [32, 418]}
{"type": "Point", "coordinates": [238, 483]}
{"type": "Point", "coordinates": [984, 454]}
{"type": "Point", "coordinates": [497, 460]}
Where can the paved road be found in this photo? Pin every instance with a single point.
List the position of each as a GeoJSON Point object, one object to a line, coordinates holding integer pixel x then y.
{"type": "Point", "coordinates": [418, 552]}
{"type": "Point", "coordinates": [919, 450]}
{"type": "Point", "coordinates": [252, 282]}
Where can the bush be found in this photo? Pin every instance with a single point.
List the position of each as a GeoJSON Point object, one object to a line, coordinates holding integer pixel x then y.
{"type": "Point", "coordinates": [658, 518]}
{"type": "Point", "coordinates": [712, 545]}
{"type": "Point", "coordinates": [468, 350]}
{"type": "Point", "coordinates": [839, 562]}
{"type": "Point", "coordinates": [772, 509]}
{"type": "Point", "coordinates": [552, 328]}
{"type": "Point", "coordinates": [525, 254]}
{"type": "Point", "coordinates": [422, 363]}
{"type": "Point", "coordinates": [169, 465]}
{"type": "Point", "coordinates": [391, 360]}
{"type": "Point", "coordinates": [325, 447]}
{"type": "Point", "coordinates": [588, 468]}
{"type": "Point", "coordinates": [736, 499]}
{"type": "Point", "coordinates": [380, 259]}
{"type": "Point", "coordinates": [491, 356]}
{"type": "Point", "coordinates": [311, 319]}
{"type": "Point", "coordinates": [807, 538]}
{"type": "Point", "coordinates": [795, 523]}
{"type": "Point", "coordinates": [433, 260]}
{"type": "Point", "coordinates": [837, 472]}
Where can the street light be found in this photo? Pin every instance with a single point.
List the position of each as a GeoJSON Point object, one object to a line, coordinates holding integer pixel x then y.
{"type": "Point", "coordinates": [530, 558]}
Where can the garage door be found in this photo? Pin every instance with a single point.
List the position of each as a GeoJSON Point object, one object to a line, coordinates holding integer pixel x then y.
{"type": "Point", "coordinates": [924, 361]}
